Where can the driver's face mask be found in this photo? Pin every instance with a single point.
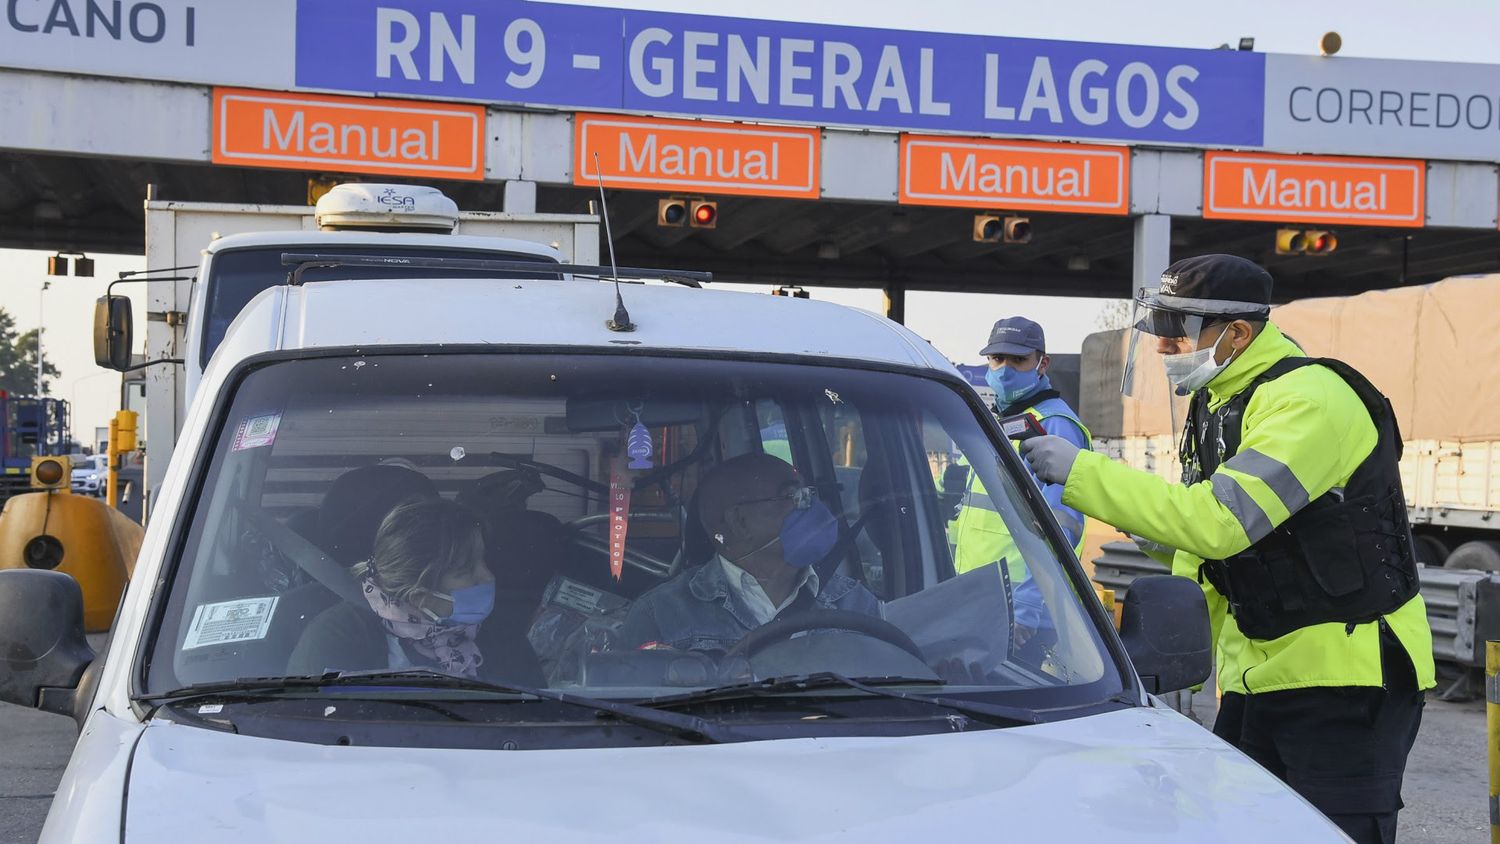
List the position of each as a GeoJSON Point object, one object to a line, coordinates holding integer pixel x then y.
{"type": "Point", "coordinates": [807, 533]}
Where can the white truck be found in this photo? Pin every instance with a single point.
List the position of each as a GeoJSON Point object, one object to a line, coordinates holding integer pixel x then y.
{"type": "Point", "coordinates": [210, 259]}
{"type": "Point", "coordinates": [306, 650]}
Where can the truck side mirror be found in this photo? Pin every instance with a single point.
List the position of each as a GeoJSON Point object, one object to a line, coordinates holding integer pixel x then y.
{"type": "Point", "coordinates": [41, 638]}
{"type": "Point", "coordinates": [112, 332]}
{"type": "Point", "coordinates": [1164, 626]}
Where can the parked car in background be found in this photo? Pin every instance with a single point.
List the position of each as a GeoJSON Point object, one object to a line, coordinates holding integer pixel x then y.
{"type": "Point", "coordinates": [89, 474]}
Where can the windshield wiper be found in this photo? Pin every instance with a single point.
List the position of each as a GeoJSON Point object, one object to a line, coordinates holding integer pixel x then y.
{"type": "Point", "coordinates": [991, 713]}
{"type": "Point", "coordinates": [686, 727]}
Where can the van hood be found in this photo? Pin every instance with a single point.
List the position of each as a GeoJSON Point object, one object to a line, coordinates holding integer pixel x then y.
{"type": "Point", "coordinates": [1133, 775]}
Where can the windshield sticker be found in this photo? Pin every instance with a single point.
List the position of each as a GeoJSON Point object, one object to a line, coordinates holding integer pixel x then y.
{"type": "Point", "coordinates": [577, 596]}
{"type": "Point", "coordinates": [228, 622]}
{"type": "Point", "coordinates": [833, 397]}
{"type": "Point", "coordinates": [211, 709]}
{"type": "Point", "coordinates": [257, 431]}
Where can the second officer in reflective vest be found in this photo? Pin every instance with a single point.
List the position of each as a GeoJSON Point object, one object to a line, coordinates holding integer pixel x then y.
{"type": "Point", "coordinates": [1017, 354]}
{"type": "Point", "coordinates": [1292, 516]}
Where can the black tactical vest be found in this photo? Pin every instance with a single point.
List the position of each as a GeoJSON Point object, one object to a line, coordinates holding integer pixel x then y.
{"type": "Point", "coordinates": [1345, 557]}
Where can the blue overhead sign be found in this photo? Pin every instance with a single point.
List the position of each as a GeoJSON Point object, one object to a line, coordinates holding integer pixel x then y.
{"type": "Point", "coordinates": [562, 56]}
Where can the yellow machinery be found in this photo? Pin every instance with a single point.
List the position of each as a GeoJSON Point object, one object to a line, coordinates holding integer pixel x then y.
{"type": "Point", "coordinates": [77, 535]}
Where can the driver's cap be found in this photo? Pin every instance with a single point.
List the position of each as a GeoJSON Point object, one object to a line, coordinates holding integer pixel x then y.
{"type": "Point", "coordinates": [1206, 282]}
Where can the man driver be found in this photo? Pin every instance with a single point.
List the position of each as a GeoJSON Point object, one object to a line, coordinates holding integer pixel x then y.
{"type": "Point", "coordinates": [768, 529]}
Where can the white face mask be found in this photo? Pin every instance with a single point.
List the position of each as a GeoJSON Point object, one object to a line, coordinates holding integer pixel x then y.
{"type": "Point", "coordinates": [1193, 370]}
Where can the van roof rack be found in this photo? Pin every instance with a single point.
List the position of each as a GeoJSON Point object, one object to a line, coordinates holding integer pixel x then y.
{"type": "Point", "coordinates": [303, 261]}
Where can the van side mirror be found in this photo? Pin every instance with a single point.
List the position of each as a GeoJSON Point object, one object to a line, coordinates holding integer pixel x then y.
{"type": "Point", "coordinates": [112, 332]}
{"type": "Point", "coordinates": [1164, 626]}
{"type": "Point", "coordinates": [41, 638]}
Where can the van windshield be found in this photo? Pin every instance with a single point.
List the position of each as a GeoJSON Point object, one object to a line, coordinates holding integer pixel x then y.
{"type": "Point", "coordinates": [622, 526]}
{"type": "Point", "coordinates": [237, 275]}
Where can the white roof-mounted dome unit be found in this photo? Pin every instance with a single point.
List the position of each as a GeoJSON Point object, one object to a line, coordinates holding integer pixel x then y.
{"type": "Point", "coordinates": [375, 207]}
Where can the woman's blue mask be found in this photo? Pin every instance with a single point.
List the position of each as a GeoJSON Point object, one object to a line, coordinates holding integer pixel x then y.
{"type": "Point", "coordinates": [1011, 385]}
{"type": "Point", "coordinates": [471, 604]}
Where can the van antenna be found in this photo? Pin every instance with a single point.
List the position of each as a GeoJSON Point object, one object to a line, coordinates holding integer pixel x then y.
{"type": "Point", "coordinates": [621, 320]}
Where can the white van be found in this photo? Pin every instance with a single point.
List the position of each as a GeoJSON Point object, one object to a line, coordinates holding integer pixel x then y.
{"type": "Point", "coordinates": [254, 689]}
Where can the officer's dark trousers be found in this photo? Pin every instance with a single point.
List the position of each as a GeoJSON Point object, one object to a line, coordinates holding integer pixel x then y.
{"type": "Point", "coordinates": [1344, 749]}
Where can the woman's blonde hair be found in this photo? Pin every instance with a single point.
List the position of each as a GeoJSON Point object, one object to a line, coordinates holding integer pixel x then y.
{"type": "Point", "coordinates": [419, 542]}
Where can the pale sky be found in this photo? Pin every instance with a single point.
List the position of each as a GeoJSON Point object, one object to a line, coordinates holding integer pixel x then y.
{"type": "Point", "coordinates": [957, 324]}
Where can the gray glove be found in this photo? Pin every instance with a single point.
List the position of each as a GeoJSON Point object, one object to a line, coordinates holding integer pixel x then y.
{"type": "Point", "coordinates": [1051, 458]}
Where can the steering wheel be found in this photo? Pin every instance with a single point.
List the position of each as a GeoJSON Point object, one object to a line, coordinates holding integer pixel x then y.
{"type": "Point", "coordinates": [782, 629]}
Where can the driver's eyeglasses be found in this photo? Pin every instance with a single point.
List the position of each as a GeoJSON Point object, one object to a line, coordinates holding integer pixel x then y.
{"type": "Point", "coordinates": [802, 497]}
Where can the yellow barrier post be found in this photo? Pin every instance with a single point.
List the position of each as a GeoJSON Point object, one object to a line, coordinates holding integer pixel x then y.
{"type": "Point", "coordinates": [1492, 721]}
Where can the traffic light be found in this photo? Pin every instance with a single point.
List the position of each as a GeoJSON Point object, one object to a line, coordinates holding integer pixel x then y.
{"type": "Point", "coordinates": [51, 473]}
{"type": "Point", "coordinates": [1305, 242]}
{"type": "Point", "coordinates": [704, 214]}
{"type": "Point", "coordinates": [83, 265]}
{"type": "Point", "coordinates": [1321, 242]}
{"type": "Point", "coordinates": [122, 440]}
{"type": "Point", "coordinates": [671, 211]}
{"type": "Point", "coordinates": [989, 228]}
{"type": "Point", "coordinates": [794, 292]}
{"type": "Point", "coordinates": [124, 427]}
{"type": "Point", "coordinates": [692, 211]}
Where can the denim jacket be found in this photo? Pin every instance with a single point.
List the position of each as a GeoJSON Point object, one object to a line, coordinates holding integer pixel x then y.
{"type": "Point", "coordinates": [697, 610]}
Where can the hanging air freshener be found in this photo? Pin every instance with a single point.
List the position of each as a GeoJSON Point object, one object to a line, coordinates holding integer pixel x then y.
{"type": "Point", "coordinates": [639, 447]}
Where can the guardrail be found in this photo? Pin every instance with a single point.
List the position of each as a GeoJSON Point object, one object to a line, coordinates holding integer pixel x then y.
{"type": "Point", "coordinates": [1463, 607]}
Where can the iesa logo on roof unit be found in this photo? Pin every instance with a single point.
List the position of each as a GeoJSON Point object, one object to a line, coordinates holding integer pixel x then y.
{"type": "Point", "coordinates": [398, 202]}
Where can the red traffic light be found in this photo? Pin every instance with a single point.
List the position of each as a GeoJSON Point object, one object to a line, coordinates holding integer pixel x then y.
{"type": "Point", "coordinates": [1305, 242]}
{"type": "Point", "coordinates": [1321, 242]}
{"type": "Point", "coordinates": [705, 214]}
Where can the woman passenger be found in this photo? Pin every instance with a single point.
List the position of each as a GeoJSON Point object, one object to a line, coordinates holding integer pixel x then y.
{"type": "Point", "coordinates": [427, 590]}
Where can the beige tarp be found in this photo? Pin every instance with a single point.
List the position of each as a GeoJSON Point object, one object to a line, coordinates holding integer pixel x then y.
{"type": "Point", "coordinates": [1434, 350]}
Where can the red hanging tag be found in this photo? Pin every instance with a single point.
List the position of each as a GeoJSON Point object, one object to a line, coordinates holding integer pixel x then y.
{"type": "Point", "coordinates": [619, 518]}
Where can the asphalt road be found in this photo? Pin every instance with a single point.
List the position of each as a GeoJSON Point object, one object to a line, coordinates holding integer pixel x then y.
{"type": "Point", "coordinates": [1446, 792]}
{"type": "Point", "coordinates": [34, 747]}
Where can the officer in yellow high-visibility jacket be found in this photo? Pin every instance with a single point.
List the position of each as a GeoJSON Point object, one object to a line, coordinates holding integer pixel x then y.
{"type": "Point", "coordinates": [1017, 354]}
{"type": "Point", "coordinates": [1291, 515]}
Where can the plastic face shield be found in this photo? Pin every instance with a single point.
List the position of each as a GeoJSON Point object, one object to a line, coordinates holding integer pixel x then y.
{"type": "Point", "coordinates": [1156, 331]}
{"type": "Point", "coordinates": [1174, 327]}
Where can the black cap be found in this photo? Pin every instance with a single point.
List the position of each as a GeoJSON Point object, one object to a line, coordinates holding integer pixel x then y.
{"type": "Point", "coordinates": [1216, 284]}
